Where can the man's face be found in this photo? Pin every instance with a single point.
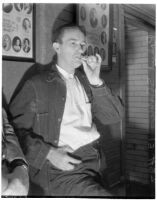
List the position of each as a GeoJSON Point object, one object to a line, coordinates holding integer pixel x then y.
{"type": "Point", "coordinates": [17, 42]}
{"type": "Point", "coordinates": [70, 49]}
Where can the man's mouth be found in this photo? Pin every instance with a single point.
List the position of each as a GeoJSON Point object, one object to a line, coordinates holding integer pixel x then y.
{"type": "Point", "coordinates": [84, 58]}
{"type": "Point", "coordinates": [81, 58]}
{"type": "Point", "coordinates": [78, 58]}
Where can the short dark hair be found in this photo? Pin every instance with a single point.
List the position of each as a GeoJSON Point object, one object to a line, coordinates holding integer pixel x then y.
{"type": "Point", "coordinates": [57, 34]}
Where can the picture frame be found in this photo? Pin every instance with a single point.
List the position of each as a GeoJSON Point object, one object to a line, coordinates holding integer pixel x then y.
{"type": "Point", "coordinates": [18, 37]}
{"type": "Point", "coordinates": [96, 20]}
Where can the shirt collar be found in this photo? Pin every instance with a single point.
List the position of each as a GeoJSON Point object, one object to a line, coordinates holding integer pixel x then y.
{"type": "Point", "coordinates": [65, 74]}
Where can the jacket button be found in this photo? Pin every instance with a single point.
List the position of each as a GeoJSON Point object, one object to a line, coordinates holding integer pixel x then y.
{"type": "Point", "coordinates": [55, 141]}
{"type": "Point", "coordinates": [59, 119]}
{"type": "Point", "coordinates": [63, 98]}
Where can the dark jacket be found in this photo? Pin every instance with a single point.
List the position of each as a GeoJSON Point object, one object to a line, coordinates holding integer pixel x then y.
{"type": "Point", "coordinates": [37, 114]}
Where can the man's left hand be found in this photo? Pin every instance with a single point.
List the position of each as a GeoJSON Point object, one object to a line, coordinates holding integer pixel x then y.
{"type": "Point", "coordinates": [17, 182]}
{"type": "Point", "coordinates": [92, 65]}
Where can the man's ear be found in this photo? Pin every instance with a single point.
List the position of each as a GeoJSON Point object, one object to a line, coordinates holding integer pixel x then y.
{"type": "Point", "coordinates": [56, 47]}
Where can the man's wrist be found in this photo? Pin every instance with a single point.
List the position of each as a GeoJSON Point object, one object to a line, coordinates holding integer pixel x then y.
{"type": "Point", "coordinates": [18, 163]}
{"type": "Point", "coordinates": [51, 151]}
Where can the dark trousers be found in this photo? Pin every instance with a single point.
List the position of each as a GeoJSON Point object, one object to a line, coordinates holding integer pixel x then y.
{"type": "Point", "coordinates": [82, 181]}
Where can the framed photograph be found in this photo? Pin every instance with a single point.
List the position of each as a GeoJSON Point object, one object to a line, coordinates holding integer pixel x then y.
{"type": "Point", "coordinates": [18, 31]}
{"type": "Point", "coordinates": [96, 20]}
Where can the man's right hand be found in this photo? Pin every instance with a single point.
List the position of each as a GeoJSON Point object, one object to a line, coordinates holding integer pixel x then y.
{"type": "Point", "coordinates": [59, 158]}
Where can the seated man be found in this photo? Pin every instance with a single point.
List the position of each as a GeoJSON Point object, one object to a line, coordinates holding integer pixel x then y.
{"type": "Point", "coordinates": [54, 113]}
{"type": "Point", "coordinates": [15, 181]}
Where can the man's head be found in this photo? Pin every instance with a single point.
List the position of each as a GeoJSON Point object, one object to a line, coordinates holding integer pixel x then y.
{"type": "Point", "coordinates": [58, 33]}
{"type": "Point", "coordinates": [69, 44]}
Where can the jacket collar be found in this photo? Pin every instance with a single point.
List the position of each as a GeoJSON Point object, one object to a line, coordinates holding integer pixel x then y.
{"type": "Point", "coordinates": [53, 69]}
{"type": "Point", "coordinates": [79, 72]}
{"type": "Point", "coordinates": [52, 72]}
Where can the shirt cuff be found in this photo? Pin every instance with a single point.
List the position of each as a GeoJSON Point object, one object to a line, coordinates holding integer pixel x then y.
{"type": "Point", "coordinates": [99, 85]}
{"type": "Point", "coordinates": [102, 90]}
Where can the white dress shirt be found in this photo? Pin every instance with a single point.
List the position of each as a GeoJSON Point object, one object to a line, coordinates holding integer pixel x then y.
{"type": "Point", "coordinates": [77, 128]}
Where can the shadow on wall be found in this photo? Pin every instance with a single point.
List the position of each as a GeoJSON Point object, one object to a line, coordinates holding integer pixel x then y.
{"type": "Point", "coordinates": [4, 102]}
{"type": "Point", "coordinates": [33, 70]}
{"type": "Point", "coordinates": [67, 15]}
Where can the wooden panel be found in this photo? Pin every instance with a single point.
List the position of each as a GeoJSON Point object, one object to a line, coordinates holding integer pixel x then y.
{"type": "Point", "coordinates": [139, 174]}
{"type": "Point", "coordinates": [137, 106]}
{"type": "Point", "coordinates": [143, 153]}
{"type": "Point", "coordinates": [137, 136]}
{"type": "Point", "coordinates": [138, 131]}
{"type": "Point", "coordinates": [137, 146]}
{"type": "Point", "coordinates": [137, 125]}
{"type": "Point", "coordinates": [138, 168]}
{"type": "Point", "coordinates": [136, 163]}
{"type": "Point", "coordinates": [136, 55]}
{"type": "Point", "coordinates": [138, 99]}
{"type": "Point", "coordinates": [137, 158]}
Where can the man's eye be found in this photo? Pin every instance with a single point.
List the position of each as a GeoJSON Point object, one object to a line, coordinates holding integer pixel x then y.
{"type": "Point", "coordinates": [73, 43]}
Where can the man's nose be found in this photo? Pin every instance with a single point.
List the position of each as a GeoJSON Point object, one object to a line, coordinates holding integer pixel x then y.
{"type": "Point", "coordinates": [80, 49]}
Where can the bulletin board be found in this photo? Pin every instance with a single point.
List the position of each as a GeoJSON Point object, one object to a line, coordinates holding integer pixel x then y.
{"type": "Point", "coordinates": [18, 31]}
{"type": "Point", "coordinates": [96, 20]}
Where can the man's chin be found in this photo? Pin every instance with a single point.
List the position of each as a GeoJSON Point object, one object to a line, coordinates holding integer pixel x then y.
{"type": "Point", "coordinates": [77, 64]}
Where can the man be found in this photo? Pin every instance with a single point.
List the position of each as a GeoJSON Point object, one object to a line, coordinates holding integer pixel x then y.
{"type": "Point", "coordinates": [15, 181]}
{"type": "Point", "coordinates": [26, 25]}
{"type": "Point", "coordinates": [26, 45]}
{"type": "Point", "coordinates": [54, 115]}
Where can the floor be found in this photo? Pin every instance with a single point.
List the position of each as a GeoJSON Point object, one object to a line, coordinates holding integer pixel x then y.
{"type": "Point", "coordinates": [129, 190]}
{"type": "Point", "coordinates": [134, 190]}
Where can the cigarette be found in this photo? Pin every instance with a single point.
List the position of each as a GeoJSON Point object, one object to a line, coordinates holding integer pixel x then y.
{"type": "Point", "coordinates": [84, 57]}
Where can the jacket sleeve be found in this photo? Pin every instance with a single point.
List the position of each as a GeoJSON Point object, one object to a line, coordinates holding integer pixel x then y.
{"type": "Point", "coordinates": [12, 147]}
{"type": "Point", "coordinates": [106, 107]}
{"type": "Point", "coordinates": [24, 112]}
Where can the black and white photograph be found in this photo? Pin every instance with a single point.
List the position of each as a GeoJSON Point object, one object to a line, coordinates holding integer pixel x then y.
{"type": "Point", "coordinates": [90, 50]}
{"type": "Point", "coordinates": [16, 44]}
{"type": "Point", "coordinates": [26, 45]}
{"type": "Point", "coordinates": [96, 50]}
{"type": "Point", "coordinates": [6, 43]}
{"type": "Point", "coordinates": [93, 17]}
{"type": "Point", "coordinates": [83, 13]}
{"type": "Point", "coordinates": [78, 100]}
{"type": "Point", "coordinates": [103, 37]}
{"type": "Point", "coordinates": [7, 7]}
{"type": "Point", "coordinates": [103, 21]}
{"type": "Point", "coordinates": [18, 23]}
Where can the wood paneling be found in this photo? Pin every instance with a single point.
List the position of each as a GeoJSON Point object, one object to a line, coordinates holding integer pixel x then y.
{"type": "Point", "coordinates": [138, 92]}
